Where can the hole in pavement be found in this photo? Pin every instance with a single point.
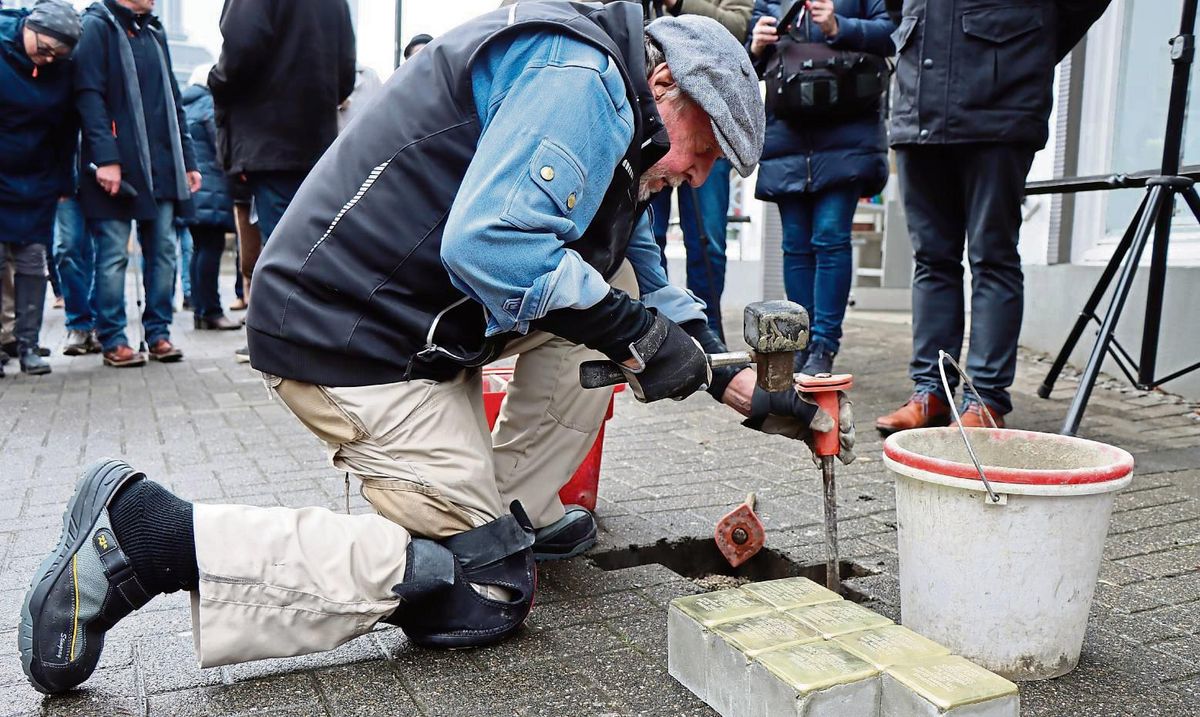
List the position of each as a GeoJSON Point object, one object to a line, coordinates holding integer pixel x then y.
{"type": "Point", "coordinates": [700, 560]}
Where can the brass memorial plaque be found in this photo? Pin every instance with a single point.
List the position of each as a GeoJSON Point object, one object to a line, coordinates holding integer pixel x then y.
{"type": "Point", "coordinates": [761, 633]}
{"type": "Point", "coordinates": [952, 681]}
{"type": "Point", "coordinates": [813, 666]}
{"type": "Point", "coordinates": [838, 618]}
{"type": "Point", "coordinates": [890, 645]}
{"type": "Point", "coordinates": [714, 608]}
{"type": "Point", "coordinates": [791, 592]}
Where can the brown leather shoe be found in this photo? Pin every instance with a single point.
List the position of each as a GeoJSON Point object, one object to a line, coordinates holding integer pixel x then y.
{"type": "Point", "coordinates": [922, 410]}
{"type": "Point", "coordinates": [163, 350]}
{"type": "Point", "coordinates": [973, 417]}
{"type": "Point", "coordinates": [124, 357]}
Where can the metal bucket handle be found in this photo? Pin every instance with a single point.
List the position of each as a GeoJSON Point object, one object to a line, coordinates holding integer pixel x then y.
{"type": "Point", "coordinates": [942, 358]}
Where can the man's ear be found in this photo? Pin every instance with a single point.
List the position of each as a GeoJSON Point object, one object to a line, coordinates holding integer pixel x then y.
{"type": "Point", "coordinates": [661, 80]}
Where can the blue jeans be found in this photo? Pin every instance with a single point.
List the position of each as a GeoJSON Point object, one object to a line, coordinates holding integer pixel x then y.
{"type": "Point", "coordinates": [75, 259]}
{"type": "Point", "coordinates": [273, 192]}
{"type": "Point", "coordinates": [157, 239]}
{"type": "Point", "coordinates": [705, 263]}
{"type": "Point", "coordinates": [817, 258]}
{"type": "Point", "coordinates": [185, 262]}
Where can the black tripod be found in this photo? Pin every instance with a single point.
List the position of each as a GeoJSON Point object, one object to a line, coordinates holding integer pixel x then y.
{"type": "Point", "coordinates": [1153, 214]}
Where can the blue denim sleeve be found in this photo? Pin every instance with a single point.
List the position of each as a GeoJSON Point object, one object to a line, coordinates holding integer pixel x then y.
{"type": "Point", "coordinates": [555, 123]}
{"type": "Point", "coordinates": [673, 302]}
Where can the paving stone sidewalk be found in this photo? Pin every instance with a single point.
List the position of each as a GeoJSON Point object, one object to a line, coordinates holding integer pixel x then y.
{"type": "Point", "coordinates": [595, 643]}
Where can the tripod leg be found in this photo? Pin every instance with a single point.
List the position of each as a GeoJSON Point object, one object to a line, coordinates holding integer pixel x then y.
{"type": "Point", "coordinates": [1089, 308]}
{"type": "Point", "coordinates": [1153, 205]}
{"type": "Point", "coordinates": [1154, 291]}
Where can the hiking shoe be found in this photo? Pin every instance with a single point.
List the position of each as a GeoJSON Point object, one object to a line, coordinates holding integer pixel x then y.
{"type": "Point", "coordinates": [82, 589]}
{"type": "Point", "coordinates": [165, 351]}
{"type": "Point", "coordinates": [79, 343]}
{"type": "Point", "coordinates": [122, 357]}
{"type": "Point", "coordinates": [570, 535]}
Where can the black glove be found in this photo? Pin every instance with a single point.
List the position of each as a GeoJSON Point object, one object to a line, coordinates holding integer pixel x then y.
{"type": "Point", "coordinates": [794, 415]}
{"type": "Point", "coordinates": [699, 330]}
{"type": "Point", "coordinates": [672, 364]}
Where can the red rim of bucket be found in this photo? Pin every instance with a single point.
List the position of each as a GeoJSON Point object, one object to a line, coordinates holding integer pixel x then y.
{"type": "Point", "coordinates": [1121, 466]}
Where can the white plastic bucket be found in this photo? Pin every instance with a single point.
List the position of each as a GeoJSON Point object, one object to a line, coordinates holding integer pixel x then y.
{"type": "Point", "coordinates": [1006, 584]}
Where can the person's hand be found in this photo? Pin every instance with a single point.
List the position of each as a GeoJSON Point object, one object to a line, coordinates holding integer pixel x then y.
{"type": "Point", "coordinates": [763, 35]}
{"type": "Point", "coordinates": [796, 415]}
{"type": "Point", "coordinates": [666, 363]}
{"type": "Point", "coordinates": [822, 14]}
{"type": "Point", "coordinates": [739, 394]}
{"type": "Point", "coordinates": [194, 181]}
{"type": "Point", "coordinates": [109, 178]}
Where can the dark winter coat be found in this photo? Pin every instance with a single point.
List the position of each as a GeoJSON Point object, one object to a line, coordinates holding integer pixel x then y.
{"type": "Point", "coordinates": [982, 71]}
{"type": "Point", "coordinates": [213, 204]}
{"type": "Point", "coordinates": [37, 136]}
{"type": "Point", "coordinates": [813, 156]}
{"type": "Point", "coordinates": [107, 115]}
{"type": "Point", "coordinates": [285, 66]}
{"type": "Point", "coordinates": [351, 289]}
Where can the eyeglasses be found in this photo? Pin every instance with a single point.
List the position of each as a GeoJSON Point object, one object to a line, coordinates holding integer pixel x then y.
{"type": "Point", "coordinates": [48, 51]}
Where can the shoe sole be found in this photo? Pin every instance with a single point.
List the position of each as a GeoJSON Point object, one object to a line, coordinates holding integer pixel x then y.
{"type": "Point", "coordinates": [241, 359]}
{"type": "Point", "coordinates": [92, 495]}
{"type": "Point", "coordinates": [578, 549]}
{"type": "Point", "coordinates": [125, 364]}
{"type": "Point", "coordinates": [37, 371]}
{"type": "Point", "coordinates": [169, 358]}
{"type": "Point", "coordinates": [76, 351]}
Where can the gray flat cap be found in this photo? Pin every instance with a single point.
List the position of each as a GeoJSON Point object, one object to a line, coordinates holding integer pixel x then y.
{"type": "Point", "coordinates": [712, 68]}
{"type": "Point", "coordinates": [57, 19]}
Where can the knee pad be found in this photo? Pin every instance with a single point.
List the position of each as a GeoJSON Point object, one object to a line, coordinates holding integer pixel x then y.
{"type": "Point", "coordinates": [440, 608]}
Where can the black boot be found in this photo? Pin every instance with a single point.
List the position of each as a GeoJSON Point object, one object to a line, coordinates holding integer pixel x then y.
{"type": "Point", "coordinates": [29, 293]}
{"type": "Point", "coordinates": [440, 609]}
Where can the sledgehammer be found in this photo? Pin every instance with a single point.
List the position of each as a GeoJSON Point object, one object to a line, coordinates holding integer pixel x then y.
{"type": "Point", "coordinates": [775, 331]}
{"type": "Point", "coordinates": [827, 445]}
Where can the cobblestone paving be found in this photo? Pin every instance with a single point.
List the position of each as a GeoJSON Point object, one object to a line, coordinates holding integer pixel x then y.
{"type": "Point", "coordinates": [596, 641]}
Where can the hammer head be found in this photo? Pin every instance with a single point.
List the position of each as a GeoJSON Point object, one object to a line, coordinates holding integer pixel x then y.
{"type": "Point", "coordinates": [775, 331]}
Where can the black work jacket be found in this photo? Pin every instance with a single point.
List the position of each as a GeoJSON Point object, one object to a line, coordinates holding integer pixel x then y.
{"type": "Point", "coordinates": [982, 70]}
{"type": "Point", "coordinates": [351, 289]}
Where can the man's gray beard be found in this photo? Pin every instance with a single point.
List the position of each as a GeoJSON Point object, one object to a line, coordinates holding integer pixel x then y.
{"type": "Point", "coordinates": [644, 190]}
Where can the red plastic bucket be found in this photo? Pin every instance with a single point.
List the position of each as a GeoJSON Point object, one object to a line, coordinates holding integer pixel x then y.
{"type": "Point", "coordinates": [584, 484]}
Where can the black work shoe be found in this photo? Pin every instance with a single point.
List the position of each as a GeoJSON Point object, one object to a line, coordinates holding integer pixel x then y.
{"type": "Point", "coordinates": [82, 589]}
{"type": "Point", "coordinates": [33, 364]}
{"type": "Point", "coordinates": [442, 610]}
{"type": "Point", "coordinates": [570, 535]}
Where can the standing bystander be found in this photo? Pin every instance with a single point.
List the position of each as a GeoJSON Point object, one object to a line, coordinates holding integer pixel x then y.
{"type": "Point", "coordinates": [213, 208]}
{"type": "Point", "coordinates": [272, 127]}
{"type": "Point", "coordinates": [133, 138]}
{"type": "Point", "coordinates": [37, 141]}
{"type": "Point", "coordinates": [973, 95]}
{"type": "Point", "coordinates": [815, 169]}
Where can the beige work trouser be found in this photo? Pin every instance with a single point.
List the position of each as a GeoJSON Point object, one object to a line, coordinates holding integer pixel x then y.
{"type": "Point", "coordinates": [276, 582]}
